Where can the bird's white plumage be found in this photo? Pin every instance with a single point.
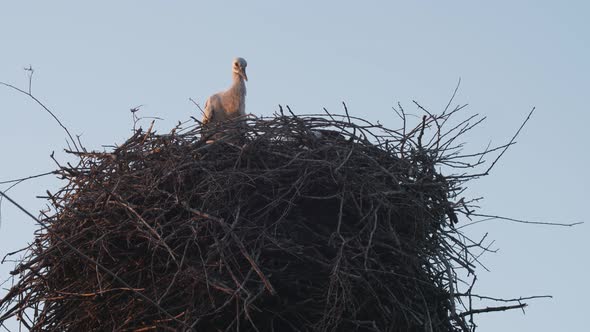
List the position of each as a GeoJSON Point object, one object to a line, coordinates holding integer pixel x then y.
{"type": "Point", "coordinates": [231, 103]}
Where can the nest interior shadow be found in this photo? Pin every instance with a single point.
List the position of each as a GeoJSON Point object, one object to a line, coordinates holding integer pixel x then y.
{"type": "Point", "coordinates": [289, 223]}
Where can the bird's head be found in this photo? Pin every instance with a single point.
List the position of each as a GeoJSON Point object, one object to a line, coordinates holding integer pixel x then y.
{"type": "Point", "coordinates": [239, 67]}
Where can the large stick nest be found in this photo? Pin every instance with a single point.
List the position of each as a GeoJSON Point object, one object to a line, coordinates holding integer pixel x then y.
{"type": "Point", "coordinates": [291, 223]}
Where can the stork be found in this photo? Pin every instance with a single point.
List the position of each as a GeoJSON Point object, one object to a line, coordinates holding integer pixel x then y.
{"type": "Point", "coordinates": [229, 104]}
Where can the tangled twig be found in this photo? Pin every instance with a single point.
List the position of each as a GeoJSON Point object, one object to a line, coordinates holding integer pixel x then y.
{"type": "Point", "coordinates": [291, 223]}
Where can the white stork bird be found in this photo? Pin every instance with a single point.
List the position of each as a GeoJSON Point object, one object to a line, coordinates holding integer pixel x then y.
{"type": "Point", "coordinates": [231, 103]}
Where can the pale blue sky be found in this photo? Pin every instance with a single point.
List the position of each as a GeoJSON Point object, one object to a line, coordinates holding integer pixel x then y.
{"type": "Point", "coordinates": [95, 61]}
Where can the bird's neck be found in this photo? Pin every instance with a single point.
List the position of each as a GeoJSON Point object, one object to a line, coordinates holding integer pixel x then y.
{"type": "Point", "coordinates": [238, 84]}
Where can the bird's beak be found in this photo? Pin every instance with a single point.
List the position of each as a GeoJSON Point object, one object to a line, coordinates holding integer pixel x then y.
{"type": "Point", "coordinates": [243, 73]}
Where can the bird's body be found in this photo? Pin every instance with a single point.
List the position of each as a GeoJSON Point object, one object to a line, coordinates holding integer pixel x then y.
{"type": "Point", "coordinates": [229, 104]}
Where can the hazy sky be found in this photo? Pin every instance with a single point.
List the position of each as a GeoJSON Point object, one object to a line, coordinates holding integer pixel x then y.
{"type": "Point", "coordinates": [95, 61]}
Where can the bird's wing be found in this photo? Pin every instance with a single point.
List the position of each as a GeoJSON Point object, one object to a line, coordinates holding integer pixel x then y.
{"type": "Point", "coordinates": [208, 113]}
